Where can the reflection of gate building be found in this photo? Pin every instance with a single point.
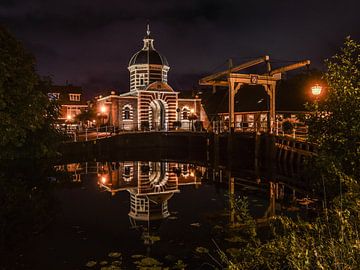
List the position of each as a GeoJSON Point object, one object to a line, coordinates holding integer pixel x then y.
{"type": "Point", "coordinates": [151, 103]}
{"type": "Point", "coordinates": [150, 184]}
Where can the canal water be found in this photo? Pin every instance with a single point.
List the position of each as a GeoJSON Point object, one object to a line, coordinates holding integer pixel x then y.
{"type": "Point", "coordinates": [119, 214]}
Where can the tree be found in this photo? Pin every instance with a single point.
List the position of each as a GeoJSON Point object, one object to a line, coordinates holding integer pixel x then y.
{"type": "Point", "coordinates": [25, 111]}
{"type": "Point", "coordinates": [334, 126]}
{"type": "Point", "coordinates": [27, 140]}
{"type": "Point", "coordinates": [86, 116]}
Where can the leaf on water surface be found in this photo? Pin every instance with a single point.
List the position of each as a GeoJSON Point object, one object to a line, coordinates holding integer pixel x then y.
{"type": "Point", "coordinates": [137, 256]}
{"type": "Point", "coordinates": [197, 224]}
{"type": "Point", "coordinates": [213, 199]}
{"type": "Point", "coordinates": [172, 217]}
{"type": "Point", "coordinates": [154, 238]}
{"type": "Point", "coordinates": [114, 254]}
{"type": "Point", "coordinates": [103, 263]}
{"type": "Point", "coordinates": [111, 267]}
{"type": "Point", "coordinates": [91, 264]}
{"type": "Point", "coordinates": [201, 250]}
{"type": "Point", "coordinates": [116, 263]}
{"type": "Point", "coordinates": [217, 227]}
{"type": "Point", "coordinates": [148, 262]}
{"type": "Point", "coordinates": [179, 265]}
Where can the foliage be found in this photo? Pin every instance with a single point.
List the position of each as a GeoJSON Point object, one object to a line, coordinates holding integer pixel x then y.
{"type": "Point", "coordinates": [86, 115]}
{"type": "Point", "coordinates": [145, 125]}
{"type": "Point", "coordinates": [198, 125]}
{"type": "Point", "coordinates": [28, 140]}
{"type": "Point", "coordinates": [26, 114]}
{"type": "Point", "coordinates": [334, 126]}
{"type": "Point", "coordinates": [287, 127]}
{"type": "Point", "coordinates": [177, 124]}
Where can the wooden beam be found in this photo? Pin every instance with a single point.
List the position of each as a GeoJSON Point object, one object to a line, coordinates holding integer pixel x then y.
{"type": "Point", "coordinates": [216, 83]}
{"type": "Point", "coordinates": [290, 67]}
{"type": "Point", "coordinates": [234, 69]}
{"type": "Point", "coordinates": [248, 77]}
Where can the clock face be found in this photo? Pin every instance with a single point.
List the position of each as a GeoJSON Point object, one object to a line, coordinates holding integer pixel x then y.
{"type": "Point", "coordinates": [254, 79]}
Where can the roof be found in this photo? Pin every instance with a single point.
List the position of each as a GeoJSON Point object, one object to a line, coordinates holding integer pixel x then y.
{"type": "Point", "coordinates": [148, 57]}
{"type": "Point", "coordinates": [148, 54]}
{"type": "Point", "coordinates": [64, 91]}
{"type": "Point", "coordinates": [159, 86]}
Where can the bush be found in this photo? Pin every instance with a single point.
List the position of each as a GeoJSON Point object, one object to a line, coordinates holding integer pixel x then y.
{"type": "Point", "coordinates": [145, 125]}
{"type": "Point", "coordinates": [177, 124]}
{"type": "Point", "coordinates": [198, 125]}
{"type": "Point", "coordinates": [287, 127]}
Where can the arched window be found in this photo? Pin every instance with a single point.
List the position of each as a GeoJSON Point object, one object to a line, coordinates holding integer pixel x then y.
{"type": "Point", "coordinates": [185, 113]}
{"type": "Point", "coordinates": [127, 112]}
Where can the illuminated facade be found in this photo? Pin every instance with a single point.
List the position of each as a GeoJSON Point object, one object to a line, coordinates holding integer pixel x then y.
{"type": "Point", "coordinates": [70, 99]}
{"type": "Point", "coordinates": [151, 103]}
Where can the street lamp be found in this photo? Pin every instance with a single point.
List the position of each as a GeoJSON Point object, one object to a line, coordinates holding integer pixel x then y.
{"type": "Point", "coordinates": [103, 109]}
{"type": "Point", "coordinates": [316, 89]}
{"type": "Point", "coordinates": [103, 113]}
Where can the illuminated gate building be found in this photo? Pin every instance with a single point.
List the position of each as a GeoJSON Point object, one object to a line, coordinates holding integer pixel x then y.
{"type": "Point", "coordinates": [151, 103]}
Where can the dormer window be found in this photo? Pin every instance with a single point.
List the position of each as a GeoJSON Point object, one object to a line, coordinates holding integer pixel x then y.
{"type": "Point", "coordinates": [53, 96]}
{"type": "Point", "coordinates": [74, 97]}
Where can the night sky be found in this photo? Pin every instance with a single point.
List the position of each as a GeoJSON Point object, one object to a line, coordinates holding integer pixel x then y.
{"type": "Point", "coordinates": [89, 43]}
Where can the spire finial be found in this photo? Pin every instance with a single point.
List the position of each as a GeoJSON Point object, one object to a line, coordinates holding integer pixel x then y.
{"type": "Point", "coordinates": [148, 29]}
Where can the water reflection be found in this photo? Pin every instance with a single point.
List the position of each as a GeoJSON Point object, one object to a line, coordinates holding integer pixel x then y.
{"type": "Point", "coordinates": [150, 184]}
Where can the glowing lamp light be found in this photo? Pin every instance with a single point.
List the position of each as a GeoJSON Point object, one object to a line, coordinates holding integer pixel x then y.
{"type": "Point", "coordinates": [192, 111]}
{"type": "Point", "coordinates": [316, 89]}
{"type": "Point", "coordinates": [69, 117]}
{"type": "Point", "coordinates": [103, 109]}
{"type": "Point", "coordinates": [103, 179]}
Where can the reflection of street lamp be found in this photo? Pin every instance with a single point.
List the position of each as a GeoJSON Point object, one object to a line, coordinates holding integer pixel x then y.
{"type": "Point", "coordinates": [316, 90]}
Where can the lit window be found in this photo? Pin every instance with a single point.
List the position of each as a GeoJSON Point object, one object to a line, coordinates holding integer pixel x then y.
{"type": "Point", "coordinates": [74, 97]}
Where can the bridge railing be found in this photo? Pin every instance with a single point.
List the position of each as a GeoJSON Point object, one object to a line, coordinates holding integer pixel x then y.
{"type": "Point", "coordinates": [91, 133]}
{"type": "Point", "coordinates": [300, 130]}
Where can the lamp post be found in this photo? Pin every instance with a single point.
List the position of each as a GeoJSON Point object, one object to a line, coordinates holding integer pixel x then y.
{"type": "Point", "coordinates": [68, 121]}
{"type": "Point", "coordinates": [192, 117]}
{"type": "Point", "coordinates": [103, 112]}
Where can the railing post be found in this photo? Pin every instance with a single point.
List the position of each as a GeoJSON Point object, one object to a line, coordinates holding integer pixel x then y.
{"type": "Point", "coordinates": [86, 134]}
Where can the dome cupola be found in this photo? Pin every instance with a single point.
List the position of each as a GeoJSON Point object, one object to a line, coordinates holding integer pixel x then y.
{"type": "Point", "coordinates": [147, 65]}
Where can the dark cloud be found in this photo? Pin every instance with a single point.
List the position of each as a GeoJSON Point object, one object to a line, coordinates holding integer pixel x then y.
{"type": "Point", "coordinates": [90, 42]}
